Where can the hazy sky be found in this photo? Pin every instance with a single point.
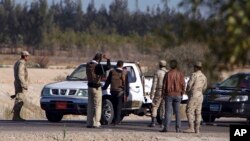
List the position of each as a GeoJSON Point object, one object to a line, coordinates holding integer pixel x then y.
{"type": "Point", "coordinates": [131, 3]}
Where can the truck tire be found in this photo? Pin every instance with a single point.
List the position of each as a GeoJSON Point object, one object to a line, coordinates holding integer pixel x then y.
{"type": "Point", "coordinates": [107, 112]}
{"type": "Point", "coordinates": [208, 118]}
{"type": "Point", "coordinates": [53, 117]}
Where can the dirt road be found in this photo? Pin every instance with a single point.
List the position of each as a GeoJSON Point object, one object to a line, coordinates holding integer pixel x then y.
{"type": "Point", "coordinates": [131, 129]}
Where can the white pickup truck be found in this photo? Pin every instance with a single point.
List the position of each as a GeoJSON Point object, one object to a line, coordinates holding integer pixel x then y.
{"type": "Point", "coordinates": [71, 96]}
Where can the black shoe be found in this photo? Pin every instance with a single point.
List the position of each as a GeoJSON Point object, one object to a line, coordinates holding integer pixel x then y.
{"type": "Point", "coordinates": [89, 126]}
{"type": "Point", "coordinates": [164, 130]}
{"type": "Point", "coordinates": [151, 125]}
{"type": "Point", "coordinates": [18, 119]}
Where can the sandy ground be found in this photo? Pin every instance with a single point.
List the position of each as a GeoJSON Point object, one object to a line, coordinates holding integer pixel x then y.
{"type": "Point", "coordinates": [37, 79]}
{"type": "Point", "coordinates": [108, 136]}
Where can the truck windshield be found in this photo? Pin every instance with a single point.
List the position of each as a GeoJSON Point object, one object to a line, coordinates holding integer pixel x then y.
{"type": "Point", "coordinates": [78, 74]}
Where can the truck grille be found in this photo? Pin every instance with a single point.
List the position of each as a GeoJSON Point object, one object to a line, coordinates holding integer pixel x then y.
{"type": "Point", "coordinates": [72, 92]}
{"type": "Point", "coordinates": [63, 91]}
{"type": "Point", "coordinates": [55, 91]}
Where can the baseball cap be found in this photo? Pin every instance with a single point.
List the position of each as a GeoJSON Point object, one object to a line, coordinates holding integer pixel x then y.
{"type": "Point", "coordinates": [198, 64]}
{"type": "Point", "coordinates": [163, 63]}
{"type": "Point", "coordinates": [25, 53]}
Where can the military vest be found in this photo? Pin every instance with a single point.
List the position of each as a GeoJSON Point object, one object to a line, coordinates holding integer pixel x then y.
{"type": "Point", "coordinates": [93, 79]}
{"type": "Point", "coordinates": [117, 80]}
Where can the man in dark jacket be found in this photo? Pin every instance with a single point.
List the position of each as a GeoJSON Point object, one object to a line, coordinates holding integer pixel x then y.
{"type": "Point", "coordinates": [118, 79]}
{"type": "Point", "coordinates": [173, 89]}
{"type": "Point", "coordinates": [95, 71]}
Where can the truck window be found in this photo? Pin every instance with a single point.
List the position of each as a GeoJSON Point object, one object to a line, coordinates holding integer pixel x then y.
{"type": "Point", "coordinates": [131, 74]}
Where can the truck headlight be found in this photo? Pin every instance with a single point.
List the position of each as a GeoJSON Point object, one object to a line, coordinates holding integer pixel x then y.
{"type": "Point", "coordinates": [83, 93]}
{"type": "Point", "coordinates": [239, 98]}
{"type": "Point", "coordinates": [45, 92]}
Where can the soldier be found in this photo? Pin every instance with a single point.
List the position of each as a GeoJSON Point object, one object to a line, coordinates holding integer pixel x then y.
{"type": "Point", "coordinates": [21, 85]}
{"type": "Point", "coordinates": [195, 88]}
{"type": "Point", "coordinates": [156, 91]}
{"type": "Point", "coordinates": [119, 90]}
{"type": "Point", "coordinates": [95, 71]}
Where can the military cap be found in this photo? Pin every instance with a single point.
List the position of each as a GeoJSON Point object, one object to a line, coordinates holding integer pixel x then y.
{"type": "Point", "coordinates": [198, 64]}
{"type": "Point", "coordinates": [163, 63]}
{"type": "Point", "coordinates": [25, 53]}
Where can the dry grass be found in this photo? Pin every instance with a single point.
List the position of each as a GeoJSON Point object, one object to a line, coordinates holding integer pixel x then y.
{"type": "Point", "coordinates": [37, 79]}
{"type": "Point", "coordinates": [60, 78]}
{"type": "Point", "coordinates": [186, 55]}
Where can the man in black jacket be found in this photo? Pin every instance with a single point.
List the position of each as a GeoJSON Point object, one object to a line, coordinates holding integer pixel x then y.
{"type": "Point", "coordinates": [95, 71]}
{"type": "Point", "coordinates": [119, 90]}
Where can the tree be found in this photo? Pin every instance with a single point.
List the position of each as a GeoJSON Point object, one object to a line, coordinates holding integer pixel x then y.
{"type": "Point", "coordinates": [229, 37]}
{"type": "Point", "coordinates": [120, 17]}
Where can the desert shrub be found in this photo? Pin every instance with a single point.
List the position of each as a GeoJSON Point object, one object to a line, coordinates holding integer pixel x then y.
{"type": "Point", "coordinates": [4, 66]}
{"type": "Point", "coordinates": [42, 61]}
{"type": "Point", "coordinates": [187, 55]}
{"type": "Point", "coordinates": [6, 113]}
{"type": "Point", "coordinates": [60, 78]}
{"type": "Point", "coordinates": [31, 64]}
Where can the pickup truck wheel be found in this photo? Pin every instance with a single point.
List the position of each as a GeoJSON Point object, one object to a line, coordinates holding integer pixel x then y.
{"type": "Point", "coordinates": [53, 117]}
{"type": "Point", "coordinates": [107, 112]}
{"type": "Point", "coordinates": [208, 118]}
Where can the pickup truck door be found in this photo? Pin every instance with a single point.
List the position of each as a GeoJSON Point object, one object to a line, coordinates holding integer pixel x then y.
{"type": "Point", "coordinates": [135, 98]}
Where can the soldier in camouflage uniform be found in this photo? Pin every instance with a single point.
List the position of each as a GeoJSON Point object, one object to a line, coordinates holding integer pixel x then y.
{"type": "Point", "coordinates": [156, 91]}
{"type": "Point", "coordinates": [21, 85]}
{"type": "Point", "coordinates": [195, 88]}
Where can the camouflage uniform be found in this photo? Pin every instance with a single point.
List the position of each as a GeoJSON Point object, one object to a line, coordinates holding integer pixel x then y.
{"type": "Point", "coordinates": [21, 86]}
{"type": "Point", "coordinates": [195, 88]}
{"type": "Point", "coordinates": [156, 92]}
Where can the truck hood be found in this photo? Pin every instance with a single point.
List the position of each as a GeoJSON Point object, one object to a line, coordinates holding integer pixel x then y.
{"type": "Point", "coordinates": [68, 85]}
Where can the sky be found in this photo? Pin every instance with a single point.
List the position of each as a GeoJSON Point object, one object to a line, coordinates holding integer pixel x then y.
{"type": "Point", "coordinates": [131, 3]}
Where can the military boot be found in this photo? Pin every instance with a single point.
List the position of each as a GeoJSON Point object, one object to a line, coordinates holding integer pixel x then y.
{"type": "Point", "coordinates": [152, 124]}
{"type": "Point", "coordinates": [16, 112]}
{"type": "Point", "coordinates": [17, 118]}
{"type": "Point", "coordinates": [197, 128]}
{"type": "Point", "coordinates": [190, 129]}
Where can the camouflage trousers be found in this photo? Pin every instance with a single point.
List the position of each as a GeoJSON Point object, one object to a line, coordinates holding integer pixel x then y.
{"type": "Point", "coordinates": [94, 106]}
{"type": "Point", "coordinates": [158, 103]}
{"type": "Point", "coordinates": [20, 101]}
{"type": "Point", "coordinates": [193, 110]}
